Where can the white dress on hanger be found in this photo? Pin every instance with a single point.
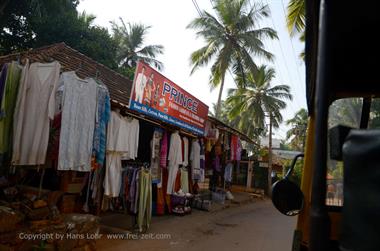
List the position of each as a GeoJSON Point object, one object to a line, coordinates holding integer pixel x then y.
{"type": "Point", "coordinates": [35, 105]}
{"type": "Point", "coordinates": [175, 159]}
{"type": "Point", "coordinates": [78, 122]}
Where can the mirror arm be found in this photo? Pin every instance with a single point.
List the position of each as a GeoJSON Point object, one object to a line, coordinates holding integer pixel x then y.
{"type": "Point", "coordinates": [292, 165]}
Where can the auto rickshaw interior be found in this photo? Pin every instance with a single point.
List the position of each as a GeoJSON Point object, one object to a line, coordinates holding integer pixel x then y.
{"type": "Point", "coordinates": [342, 51]}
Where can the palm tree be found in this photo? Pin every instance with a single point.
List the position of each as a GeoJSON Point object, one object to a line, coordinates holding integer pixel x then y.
{"type": "Point", "coordinates": [295, 20]}
{"type": "Point", "coordinates": [297, 132]}
{"type": "Point", "coordinates": [130, 38]}
{"type": "Point", "coordinates": [231, 37]}
{"type": "Point", "coordinates": [346, 112]}
{"type": "Point", "coordinates": [296, 17]}
{"type": "Point", "coordinates": [257, 99]}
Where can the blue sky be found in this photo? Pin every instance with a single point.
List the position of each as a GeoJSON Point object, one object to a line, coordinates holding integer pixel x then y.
{"type": "Point", "coordinates": [169, 19]}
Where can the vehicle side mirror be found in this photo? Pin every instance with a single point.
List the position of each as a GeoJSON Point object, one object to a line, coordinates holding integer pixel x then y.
{"type": "Point", "coordinates": [287, 197]}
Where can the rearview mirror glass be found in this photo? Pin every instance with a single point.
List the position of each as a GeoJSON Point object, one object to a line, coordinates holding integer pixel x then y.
{"type": "Point", "coordinates": [287, 197]}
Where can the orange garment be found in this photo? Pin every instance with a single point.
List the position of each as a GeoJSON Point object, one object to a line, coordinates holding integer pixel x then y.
{"type": "Point", "coordinates": [208, 145]}
{"type": "Point", "coordinates": [177, 184]}
{"type": "Point", "coordinates": [167, 198]}
{"type": "Point", "coordinates": [160, 206]}
{"type": "Point", "coordinates": [218, 148]}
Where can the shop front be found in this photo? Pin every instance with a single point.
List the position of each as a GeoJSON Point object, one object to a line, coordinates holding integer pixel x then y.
{"type": "Point", "coordinates": [81, 143]}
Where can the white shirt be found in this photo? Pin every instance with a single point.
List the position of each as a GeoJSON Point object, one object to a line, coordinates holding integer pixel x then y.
{"type": "Point", "coordinates": [123, 136]}
{"type": "Point", "coordinates": [78, 122]}
{"type": "Point", "coordinates": [195, 159]}
{"type": "Point", "coordinates": [131, 138]}
{"type": "Point", "coordinates": [185, 152]}
{"type": "Point", "coordinates": [35, 105]}
{"type": "Point", "coordinates": [175, 150]}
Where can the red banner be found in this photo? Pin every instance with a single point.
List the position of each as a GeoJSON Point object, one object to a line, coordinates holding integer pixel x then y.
{"type": "Point", "coordinates": [156, 96]}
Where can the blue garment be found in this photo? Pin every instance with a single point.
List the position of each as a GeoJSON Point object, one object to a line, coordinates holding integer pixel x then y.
{"type": "Point", "coordinates": [3, 77]}
{"type": "Point", "coordinates": [228, 172]}
{"type": "Point", "coordinates": [102, 118]}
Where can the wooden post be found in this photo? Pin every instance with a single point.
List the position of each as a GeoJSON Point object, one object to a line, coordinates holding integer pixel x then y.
{"type": "Point", "coordinates": [249, 176]}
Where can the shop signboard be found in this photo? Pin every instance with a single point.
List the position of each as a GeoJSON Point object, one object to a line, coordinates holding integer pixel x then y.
{"type": "Point", "coordinates": [156, 96]}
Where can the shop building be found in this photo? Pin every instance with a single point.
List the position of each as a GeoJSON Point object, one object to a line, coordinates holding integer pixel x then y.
{"type": "Point", "coordinates": [78, 137]}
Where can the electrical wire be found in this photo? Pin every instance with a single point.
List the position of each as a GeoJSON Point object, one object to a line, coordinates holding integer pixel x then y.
{"type": "Point", "coordinates": [282, 53]}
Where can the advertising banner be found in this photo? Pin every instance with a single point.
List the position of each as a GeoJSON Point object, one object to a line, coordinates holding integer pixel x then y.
{"type": "Point", "coordinates": [156, 96]}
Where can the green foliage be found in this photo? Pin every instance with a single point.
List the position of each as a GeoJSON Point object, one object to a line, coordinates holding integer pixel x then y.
{"type": "Point", "coordinates": [255, 98]}
{"type": "Point", "coordinates": [232, 37]}
{"type": "Point", "coordinates": [296, 175]}
{"type": "Point", "coordinates": [337, 172]}
{"type": "Point", "coordinates": [345, 112]}
{"type": "Point", "coordinates": [35, 23]}
{"type": "Point", "coordinates": [295, 20]}
{"type": "Point", "coordinates": [298, 130]}
{"type": "Point", "coordinates": [130, 45]}
{"type": "Point", "coordinates": [285, 146]}
{"type": "Point", "coordinates": [263, 152]}
{"type": "Point", "coordinates": [375, 114]}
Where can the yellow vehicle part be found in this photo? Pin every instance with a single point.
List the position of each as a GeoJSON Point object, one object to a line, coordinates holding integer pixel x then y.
{"type": "Point", "coordinates": [303, 225]}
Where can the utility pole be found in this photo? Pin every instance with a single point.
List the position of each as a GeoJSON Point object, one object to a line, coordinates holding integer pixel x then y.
{"type": "Point", "coordinates": [270, 157]}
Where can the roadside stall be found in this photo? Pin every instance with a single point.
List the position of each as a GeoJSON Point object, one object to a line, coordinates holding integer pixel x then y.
{"type": "Point", "coordinates": [80, 139]}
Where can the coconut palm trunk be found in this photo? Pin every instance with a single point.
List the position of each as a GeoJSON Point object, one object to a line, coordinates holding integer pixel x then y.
{"type": "Point", "coordinates": [217, 115]}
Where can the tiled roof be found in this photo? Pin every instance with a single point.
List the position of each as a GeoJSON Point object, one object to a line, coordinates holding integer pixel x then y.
{"type": "Point", "coordinates": [119, 86]}
{"type": "Point", "coordinates": [72, 60]}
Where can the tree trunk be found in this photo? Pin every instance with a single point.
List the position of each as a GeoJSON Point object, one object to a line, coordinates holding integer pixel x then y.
{"type": "Point", "coordinates": [218, 105]}
{"type": "Point", "coordinates": [270, 157]}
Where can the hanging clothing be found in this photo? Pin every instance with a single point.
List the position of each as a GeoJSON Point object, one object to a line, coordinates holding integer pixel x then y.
{"type": "Point", "coordinates": [208, 146]}
{"type": "Point", "coordinates": [216, 164]}
{"type": "Point", "coordinates": [155, 156]}
{"type": "Point", "coordinates": [116, 134]}
{"type": "Point", "coordinates": [160, 204]}
{"type": "Point", "coordinates": [233, 146]}
{"type": "Point", "coordinates": [102, 117]}
{"type": "Point", "coordinates": [145, 200]}
{"type": "Point", "coordinates": [35, 105]}
{"type": "Point", "coordinates": [78, 122]}
{"type": "Point", "coordinates": [195, 160]}
{"type": "Point", "coordinates": [218, 148]}
{"type": "Point", "coordinates": [184, 180]}
{"type": "Point", "coordinates": [134, 190]}
{"type": "Point", "coordinates": [54, 139]}
{"type": "Point", "coordinates": [175, 159]}
{"type": "Point", "coordinates": [164, 150]}
{"type": "Point", "coordinates": [8, 104]}
{"type": "Point", "coordinates": [185, 152]}
{"type": "Point", "coordinates": [132, 128]}
{"type": "Point", "coordinates": [228, 172]}
{"type": "Point", "coordinates": [112, 179]}
{"type": "Point", "coordinates": [177, 182]}
{"type": "Point", "coordinates": [119, 142]}
{"type": "Point", "coordinates": [3, 77]}
{"type": "Point", "coordinates": [238, 150]}
{"type": "Point", "coordinates": [202, 155]}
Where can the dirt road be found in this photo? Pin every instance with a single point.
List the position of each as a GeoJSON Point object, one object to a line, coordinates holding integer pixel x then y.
{"type": "Point", "coordinates": [256, 226]}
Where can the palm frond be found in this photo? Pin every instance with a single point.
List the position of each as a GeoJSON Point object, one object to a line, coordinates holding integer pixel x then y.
{"type": "Point", "coordinates": [296, 16]}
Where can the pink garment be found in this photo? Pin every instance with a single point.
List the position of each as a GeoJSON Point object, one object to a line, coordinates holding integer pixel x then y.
{"type": "Point", "coordinates": [238, 150]}
{"type": "Point", "coordinates": [164, 151]}
{"type": "Point", "coordinates": [234, 145]}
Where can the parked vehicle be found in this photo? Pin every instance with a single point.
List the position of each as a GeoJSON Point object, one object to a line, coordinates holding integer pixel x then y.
{"type": "Point", "coordinates": [341, 63]}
